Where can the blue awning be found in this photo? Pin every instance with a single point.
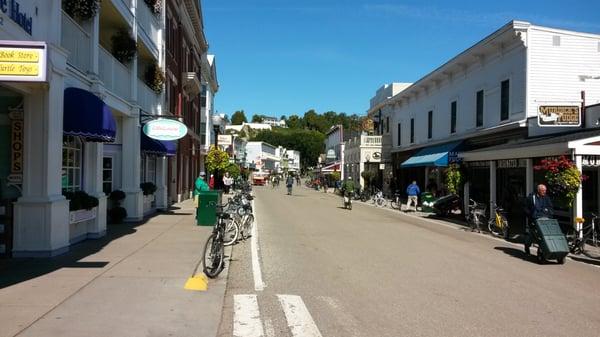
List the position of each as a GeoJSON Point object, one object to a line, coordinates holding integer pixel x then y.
{"type": "Point", "coordinates": [157, 147]}
{"type": "Point", "coordinates": [86, 116]}
{"type": "Point", "coordinates": [436, 155]}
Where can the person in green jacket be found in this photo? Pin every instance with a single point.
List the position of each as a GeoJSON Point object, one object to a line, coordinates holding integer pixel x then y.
{"type": "Point", "coordinates": [200, 184]}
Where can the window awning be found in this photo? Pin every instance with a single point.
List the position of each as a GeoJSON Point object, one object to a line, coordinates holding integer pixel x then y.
{"type": "Point", "coordinates": [436, 155]}
{"type": "Point", "coordinates": [331, 167]}
{"type": "Point", "coordinates": [86, 116]}
{"type": "Point", "coordinates": [157, 147]}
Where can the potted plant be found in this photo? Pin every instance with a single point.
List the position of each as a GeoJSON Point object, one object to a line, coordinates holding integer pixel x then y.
{"type": "Point", "coordinates": [124, 46]}
{"type": "Point", "coordinates": [148, 188]}
{"type": "Point", "coordinates": [82, 206]}
{"type": "Point", "coordinates": [563, 180]}
{"type": "Point", "coordinates": [117, 213]}
{"type": "Point", "coordinates": [155, 78]}
{"type": "Point", "coordinates": [154, 5]}
{"type": "Point", "coordinates": [81, 9]}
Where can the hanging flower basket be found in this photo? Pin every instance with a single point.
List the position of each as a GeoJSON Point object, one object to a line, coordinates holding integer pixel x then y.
{"type": "Point", "coordinates": [81, 9]}
{"type": "Point", "coordinates": [154, 5]}
{"type": "Point", "coordinates": [124, 46]}
{"type": "Point", "coordinates": [155, 78]}
{"type": "Point", "coordinates": [563, 180]}
{"type": "Point", "coordinates": [454, 178]}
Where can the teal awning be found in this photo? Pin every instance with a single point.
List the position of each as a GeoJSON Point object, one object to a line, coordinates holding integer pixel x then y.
{"type": "Point", "coordinates": [436, 155]}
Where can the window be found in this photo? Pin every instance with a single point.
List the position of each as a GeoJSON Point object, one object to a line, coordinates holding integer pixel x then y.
{"type": "Point", "coordinates": [412, 130]}
{"type": "Point", "coordinates": [150, 169]}
{"type": "Point", "coordinates": [504, 100]}
{"type": "Point", "coordinates": [429, 124]}
{"type": "Point", "coordinates": [479, 116]}
{"type": "Point", "coordinates": [453, 117]}
{"type": "Point", "coordinates": [71, 163]}
{"type": "Point", "coordinates": [107, 175]}
{"type": "Point", "coordinates": [399, 134]}
{"type": "Point", "coordinates": [387, 124]}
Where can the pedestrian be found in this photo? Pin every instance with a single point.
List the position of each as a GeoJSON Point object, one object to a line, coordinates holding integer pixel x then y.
{"type": "Point", "coordinates": [199, 186]}
{"type": "Point", "coordinates": [324, 183]}
{"type": "Point", "coordinates": [289, 183]}
{"type": "Point", "coordinates": [211, 182]}
{"type": "Point", "coordinates": [297, 180]}
{"type": "Point", "coordinates": [413, 192]}
{"type": "Point", "coordinates": [537, 206]}
{"type": "Point", "coordinates": [227, 182]}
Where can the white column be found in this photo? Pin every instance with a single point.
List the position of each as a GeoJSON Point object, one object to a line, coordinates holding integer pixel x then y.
{"type": "Point", "coordinates": [41, 225]}
{"type": "Point", "coordinates": [361, 169]}
{"type": "Point", "coordinates": [529, 177]}
{"type": "Point", "coordinates": [492, 183]}
{"type": "Point", "coordinates": [161, 183]}
{"type": "Point", "coordinates": [578, 204]}
{"type": "Point", "coordinates": [133, 202]}
{"type": "Point", "coordinates": [92, 168]}
{"type": "Point", "coordinates": [342, 151]}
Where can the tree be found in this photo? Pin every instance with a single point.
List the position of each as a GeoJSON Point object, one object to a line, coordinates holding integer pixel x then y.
{"type": "Point", "coordinates": [234, 170]}
{"type": "Point", "coordinates": [238, 118]}
{"type": "Point", "coordinates": [217, 160]}
{"type": "Point", "coordinates": [257, 118]}
{"type": "Point", "coordinates": [295, 122]}
{"type": "Point", "coordinates": [308, 142]}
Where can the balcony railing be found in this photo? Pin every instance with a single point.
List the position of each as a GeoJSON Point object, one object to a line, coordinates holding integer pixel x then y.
{"type": "Point", "coordinates": [148, 22]}
{"type": "Point", "coordinates": [77, 41]}
{"type": "Point", "coordinates": [147, 98]}
{"type": "Point", "coordinates": [116, 76]}
{"type": "Point", "coordinates": [370, 140]}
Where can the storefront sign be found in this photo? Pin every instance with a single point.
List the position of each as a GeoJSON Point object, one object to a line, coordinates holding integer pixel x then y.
{"type": "Point", "coordinates": [482, 164]}
{"type": "Point", "coordinates": [511, 163]}
{"type": "Point", "coordinates": [593, 161]}
{"type": "Point", "coordinates": [16, 147]}
{"type": "Point", "coordinates": [22, 61]}
{"type": "Point", "coordinates": [376, 155]}
{"type": "Point", "coordinates": [12, 8]}
{"type": "Point", "coordinates": [165, 129]}
{"type": "Point", "coordinates": [224, 140]}
{"type": "Point", "coordinates": [559, 115]}
{"type": "Point", "coordinates": [453, 158]}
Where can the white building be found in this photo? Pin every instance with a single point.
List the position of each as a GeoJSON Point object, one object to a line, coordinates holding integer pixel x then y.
{"type": "Point", "coordinates": [210, 86]}
{"type": "Point", "coordinates": [87, 108]}
{"type": "Point", "coordinates": [361, 154]}
{"type": "Point", "coordinates": [262, 156]}
{"type": "Point", "coordinates": [274, 121]}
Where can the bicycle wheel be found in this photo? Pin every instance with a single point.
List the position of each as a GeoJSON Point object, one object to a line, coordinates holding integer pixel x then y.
{"type": "Point", "coordinates": [380, 202]}
{"type": "Point", "coordinates": [232, 230]}
{"type": "Point", "coordinates": [247, 227]}
{"type": "Point", "coordinates": [591, 245]}
{"type": "Point", "coordinates": [494, 228]}
{"type": "Point", "coordinates": [213, 256]}
{"type": "Point", "coordinates": [395, 203]}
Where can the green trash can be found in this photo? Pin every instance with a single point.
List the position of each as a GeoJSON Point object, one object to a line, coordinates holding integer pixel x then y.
{"type": "Point", "coordinates": [206, 213]}
{"type": "Point", "coordinates": [427, 201]}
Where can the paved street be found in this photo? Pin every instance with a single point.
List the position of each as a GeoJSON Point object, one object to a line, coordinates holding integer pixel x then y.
{"type": "Point", "coordinates": [374, 272]}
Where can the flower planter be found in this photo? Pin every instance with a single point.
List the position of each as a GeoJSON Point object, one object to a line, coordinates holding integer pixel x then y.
{"type": "Point", "coordinates": [82, 215]}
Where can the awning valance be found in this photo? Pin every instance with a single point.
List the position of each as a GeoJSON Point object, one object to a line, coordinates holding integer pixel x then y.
{"type": "Point", "coordinates": [86, 116]}
{"type": "Point", "coordinates": [331, 167]}
{"type": "Point", "coordinates": [436, 155]}
{"type": "Point", "coordinates": [157, 147]}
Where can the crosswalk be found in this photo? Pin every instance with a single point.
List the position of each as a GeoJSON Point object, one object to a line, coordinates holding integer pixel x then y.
{"type": "Point", "coordinates": [247, 320]}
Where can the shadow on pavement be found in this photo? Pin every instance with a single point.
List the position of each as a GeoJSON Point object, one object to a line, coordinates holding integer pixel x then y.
{"type": "Point", "coordinates": [518, 253]}
{"type": "Point", "coordinates": [585, 260]}
{"type": "Point", "coordinates": [18, 270]}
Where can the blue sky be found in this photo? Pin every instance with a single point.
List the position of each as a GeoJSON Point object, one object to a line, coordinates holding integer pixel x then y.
{"type": "Point", "coordinates": [282, 57]}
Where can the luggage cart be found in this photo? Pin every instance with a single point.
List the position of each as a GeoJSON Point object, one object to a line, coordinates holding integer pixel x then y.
{"type": "Point", "coordinates": [550, 240]}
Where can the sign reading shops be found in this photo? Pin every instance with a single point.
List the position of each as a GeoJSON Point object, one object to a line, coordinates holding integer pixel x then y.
{"type": "Point", "coordinates": [16, 147]}
{"type": "Point", "coordinates": [165, 129]}
{"type": "Point", "coordinates": [559, 115]}
{"type": "Point", "coordinates": [22, 61]}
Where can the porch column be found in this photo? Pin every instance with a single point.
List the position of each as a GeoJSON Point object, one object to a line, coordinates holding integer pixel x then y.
{"type": "Point", "coordinates": [92, 166]}
{"type": "Point", "coordinates": [361, 169]}
{"type": "Point", "coordinates": [492, 183]}
{"type": "Point", "coordinates": [161, 183]}
{"type": "Point", "coordinates": [134, 202]}
{"type": "Point", "coordinates": [578, 204]}
{"type": "Point", "coordinates": [529, 177]}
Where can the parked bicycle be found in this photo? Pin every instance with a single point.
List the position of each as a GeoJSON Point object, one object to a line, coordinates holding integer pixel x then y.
{"type": "Point", "coordinates": [378, 199]}
{"type": "Point", "coordinates": [396, 202]}
{"type": "Point", "coordinates": [497, 224]}
{"type": "Point", "coordinates": [476, 215]}
{"type": "Point", "coordinates": [585, 240]}
{"type": "Point", "coordinates": [213, 256]}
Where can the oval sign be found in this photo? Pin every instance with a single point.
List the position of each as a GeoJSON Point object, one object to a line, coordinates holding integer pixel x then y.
{"type": "Point", "coordinates": [165, 129]}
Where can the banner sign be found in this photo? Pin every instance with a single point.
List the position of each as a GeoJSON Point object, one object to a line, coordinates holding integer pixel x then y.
{"type": "Point", "coordinates": [165, 129]}
{"type": "Point", "coordinates": [16, 147]}
{"type": "Point", "coordinates": [559, 115]}
{"type": "Point", "coordinates": [22, 61]}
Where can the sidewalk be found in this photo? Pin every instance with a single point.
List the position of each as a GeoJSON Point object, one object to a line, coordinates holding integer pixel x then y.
{"type": "Point", "coordinates": [129, 283]}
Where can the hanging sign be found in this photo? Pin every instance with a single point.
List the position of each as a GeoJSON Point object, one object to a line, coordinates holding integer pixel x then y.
{"type": "Point", "coordinates": [16, 147]}
{"type": "Point", "coordinates": [22, 61]}
{"type": "Point", "coordinates": [165, 129]}
{"type": "Point", "coordinates": [224, 140]}
{"type": "Point", "coordinates": [559, 115]}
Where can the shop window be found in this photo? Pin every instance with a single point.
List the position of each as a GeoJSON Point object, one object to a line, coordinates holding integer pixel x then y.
{"type": "Point", "coordinates": [150, 169]}
{"type": "Point", "coordinates": [430, 124]}
{"type": "Point", "coordinates": [453, 117]}
{"type": "Point", "coordinates": [107, 175]}
{"type": "Point", "coordinates": [412, 130]}
{"type": "Point", "coordinates": [504, 100]}
{"type": "Point", "coordinates": [479, 117]}
{"type": "Point", "coordinates": [72, 163]}
{"type": "Point", "coordinates": [399, 134]}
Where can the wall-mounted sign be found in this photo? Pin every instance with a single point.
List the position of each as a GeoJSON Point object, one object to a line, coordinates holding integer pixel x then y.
{"type": "Point", "coordinates": [22, 61]}
{"type": "Point", "coordinates": [479, 164]}
{"type": "Point", "coordinates": [588, 161]}
{"type": "Point", "coordinates": [511, 163]}
{"type": "Point", "coordinates": [331, 154]}
{"type": "Point", "coordinates": [453, 158]}
{"type": "Point", "coordinates": [165, 129]}
{"type": "Point", "coordinates": [559, 115]}
{"type": "Point", "coordinates": [224, 140]}
{"type": "Point", "coordinates": [376, 155]}
{"type": "Point", "coordinates": [13, 9]}
{"type": "Point", "coordinates": [16, 147]}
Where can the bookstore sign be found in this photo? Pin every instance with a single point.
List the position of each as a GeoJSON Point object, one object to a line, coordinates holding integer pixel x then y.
{"type": "Point", "coordinates": [22, 61]}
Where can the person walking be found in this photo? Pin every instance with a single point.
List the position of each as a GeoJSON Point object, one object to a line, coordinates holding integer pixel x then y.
{"type": "Point", "coordinates": [211, 182]}
{"type": "Point", "coordinates": [538, 205]}
{"type": "Point", "coordinates": [297, 179]}
{"type": "Point", "coordinates": [413, 192]}
{"type": "Point", "coordinates": [227, 182]}
{"type": "Point", "coordinates": [289, 183]}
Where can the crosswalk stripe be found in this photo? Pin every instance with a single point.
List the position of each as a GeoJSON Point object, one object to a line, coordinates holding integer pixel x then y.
{"type": "Point", "coordinates": [246, 317]}
{"type": "Point", "coordinates": [298, 318]}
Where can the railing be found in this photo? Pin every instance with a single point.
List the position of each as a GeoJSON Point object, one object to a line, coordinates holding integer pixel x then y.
{"type": "Point", "coordinates": [116, 76]}
{"type": "Point", "coordinates": [370, 140]}
{"type": "Point", "coordinates": [147, 98]}
{"type": "Point", "coordinates": [148, 22]}
{"type": "Point", "coordinates": [77, 41]}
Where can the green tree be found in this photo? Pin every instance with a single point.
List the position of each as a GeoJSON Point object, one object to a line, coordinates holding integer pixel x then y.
{"type": "Point", "coordinates": [217, 160]}
{"type": "Point", "coordinates": [257, 118]}
{"type": "Point", "coordinates": [238, 118]}
{"type": "Point", "coordinates": [295, 122]}
{"type": "Point", "coordinates": [234, 170]}
{"type": "Point", "coordinates": [309, 143]}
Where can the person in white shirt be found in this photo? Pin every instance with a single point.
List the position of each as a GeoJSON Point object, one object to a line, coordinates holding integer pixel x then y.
{"type": "Point", "coordinates": [227, 182]}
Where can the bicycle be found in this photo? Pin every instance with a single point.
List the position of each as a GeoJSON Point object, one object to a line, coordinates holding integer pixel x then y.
{"type": "Point", "coordinates": [475, 215]}
{"type": "Point", "coordinates": [497, 224]}
{"type": "Point", "coordinates": [396, 202]}
{"type": "Point", "coordinates": [213, 256]}
{"type": "Point", "coordinates": [585, 241]}
{"type": "Point", "coordinates": [378, 199]}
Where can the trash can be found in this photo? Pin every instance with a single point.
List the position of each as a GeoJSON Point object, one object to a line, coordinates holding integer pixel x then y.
{"type": "Point", "coordinates": [427, 201]}
{"type": "Point", "coordinates": [206, 213]}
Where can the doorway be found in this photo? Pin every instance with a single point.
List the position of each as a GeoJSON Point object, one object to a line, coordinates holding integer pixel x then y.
{"type": "Point", "coordinates": [510, 195]}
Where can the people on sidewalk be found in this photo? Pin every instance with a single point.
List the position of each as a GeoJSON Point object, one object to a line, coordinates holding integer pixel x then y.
{"type": "Point", "coordinates": [227, 182]}
{"type": "Point", "coordinates": [413, 192]}
{"type": "Point", "coordinates": [211, 182]}
{"type": "Point", "coordinates": [199, 186]}
{"type": "Point", "coordinates": [289, 183]}
{"type": "Point", "coordinates": [538, 205]}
